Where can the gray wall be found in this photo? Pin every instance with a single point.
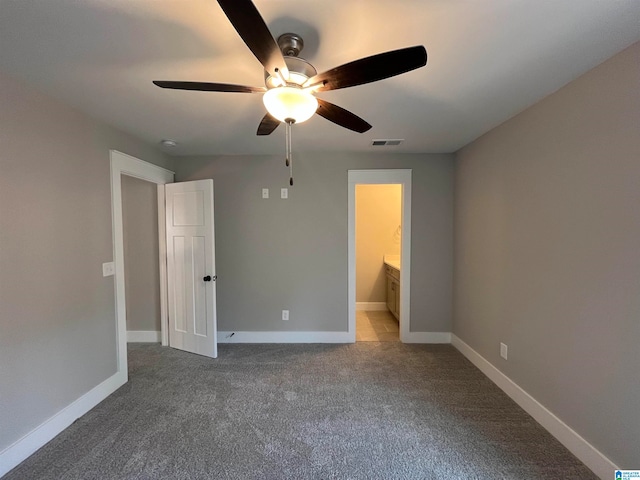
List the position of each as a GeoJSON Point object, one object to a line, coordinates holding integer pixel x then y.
{"type": "Point", "coordinates": [292, 254]}
{"type": "Point", "coordinates": [57, 315]}
{"type": "Point", "coordinates": [547, 228]}
{"type": "Point", "coordinates": [142, 273]}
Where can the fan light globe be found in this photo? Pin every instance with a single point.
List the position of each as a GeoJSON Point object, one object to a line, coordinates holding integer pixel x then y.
{"type": "Point", "coordinates": [290, 103]}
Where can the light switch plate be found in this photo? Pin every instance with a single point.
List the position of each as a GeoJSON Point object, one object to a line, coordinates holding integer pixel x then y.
{"type": "Point", "coordinates": [108, 269]}
{"type": "Point", "coordinates": [285, 315]}
{"type": "Point", "coordinates": [504, 350]}
{"type": "Point", "coordinates": [265, 193]}
{"type": "Point", "coordinates": [284, 193]}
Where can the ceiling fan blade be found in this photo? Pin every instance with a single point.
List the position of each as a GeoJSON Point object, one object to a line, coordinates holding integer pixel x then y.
{"type": "Point", "coordinates": [342, 117]}
{"type": "Point", "coordinates": [209, 87]}
{"type": "Point", "coordinates": [370, 69]}
{"type": "Point", "coordinates": [246, 19]}
{"type": "Point", "coordinates": [268, 125]}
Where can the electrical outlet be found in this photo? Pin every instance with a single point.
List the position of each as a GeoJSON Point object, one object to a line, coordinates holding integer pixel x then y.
{"type": "Point", "coordinates": [108, 269]}
{"type": "Point", "coordinates": [503, 350]}
{"type": "Point", "coordinates": [285, 315]}
{"type": "Point", "coordinates": [265, 193]}
{"type": "Point", "coordinates": [284, 193]}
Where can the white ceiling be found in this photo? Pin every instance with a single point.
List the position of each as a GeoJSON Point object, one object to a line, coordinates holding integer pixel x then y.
{"type": "Point", "coordinates": [488, 60]}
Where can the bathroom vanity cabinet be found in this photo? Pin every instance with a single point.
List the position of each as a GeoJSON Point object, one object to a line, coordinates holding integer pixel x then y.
{"type": "Point", "coordinates": [393, 289]}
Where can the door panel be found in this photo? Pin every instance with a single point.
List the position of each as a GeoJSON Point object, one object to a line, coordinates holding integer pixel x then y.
{"type": "Point", "coordinates": [200, 288]}
{"type": "Point", "coordinates": [190, 262]}
{"type": "Point", "coordinates": [178, 287]}
{"type": "Point", "coordinates": [188, 209]}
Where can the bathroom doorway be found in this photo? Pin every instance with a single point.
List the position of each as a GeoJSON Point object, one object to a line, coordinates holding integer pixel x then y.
{"type": "Point", "coordinates": [379, 255]}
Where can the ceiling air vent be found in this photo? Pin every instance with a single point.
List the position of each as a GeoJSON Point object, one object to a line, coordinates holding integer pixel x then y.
{"type": "Point", "coordinates": [388, 142]}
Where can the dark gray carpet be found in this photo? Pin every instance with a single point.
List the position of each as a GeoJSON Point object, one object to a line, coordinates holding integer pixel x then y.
{"type": "Point", "coordinates": [360, 411]}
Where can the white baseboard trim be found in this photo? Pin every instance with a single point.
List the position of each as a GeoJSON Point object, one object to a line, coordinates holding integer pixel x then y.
{"type": "Point", "coordinates": [372, 306]}
{"type": "Point", "coordinates": [19, 451]}
{"type": "Point", "coordinates": [321, 337]}
{"type": "Point", "coordinates": [285, 337]}
{"type": "Point", "coordinates": [143, 336]}
{"type": "Point", "coordinates": [587, 453]}
{"type": "Point", "coordinates": [427, 337]}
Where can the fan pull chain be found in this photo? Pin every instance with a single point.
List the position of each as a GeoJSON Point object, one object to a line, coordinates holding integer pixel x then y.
{"type": "Point", "coordinates": [289, 158]}
{"type": "Point", "coordinates": [287, 144]}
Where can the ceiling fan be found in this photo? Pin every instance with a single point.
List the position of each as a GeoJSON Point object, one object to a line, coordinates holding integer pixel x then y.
{"type": "Point", "coordinates": [291, 82]}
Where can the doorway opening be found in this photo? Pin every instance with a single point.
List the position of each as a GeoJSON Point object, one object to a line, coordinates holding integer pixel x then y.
{"type": "Point", "coordinates": [378, 254]}
{"type": "Point", "coordinates": [379, 314]}
{"type": "Point", "coordinates": [141, 254]}
{"type": "Point", "coordinates": [122, 164]}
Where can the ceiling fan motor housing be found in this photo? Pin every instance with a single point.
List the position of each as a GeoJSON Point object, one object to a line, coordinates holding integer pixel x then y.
{"type": "Point", "coordinates": [291, 44]}
{"type": "Point", "coordinates": [299, 72]}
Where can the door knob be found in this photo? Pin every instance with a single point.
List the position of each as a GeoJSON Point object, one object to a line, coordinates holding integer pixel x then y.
{"type": "Point", "coordinates": [207, 278]}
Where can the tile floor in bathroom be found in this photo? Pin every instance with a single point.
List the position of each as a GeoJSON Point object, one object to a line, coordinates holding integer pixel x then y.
{"type": "Point", "coordinates": [376, 326]}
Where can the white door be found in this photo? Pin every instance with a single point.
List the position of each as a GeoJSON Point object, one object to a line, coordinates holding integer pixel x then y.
{"type": "Point", "coordinates": [191, 287]}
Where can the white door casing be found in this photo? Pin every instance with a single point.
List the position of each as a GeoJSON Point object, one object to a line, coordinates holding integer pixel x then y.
{"type": "Point", "coordinates": [191, 287]}
{"type": "Point", "coordinates": [122, 164]}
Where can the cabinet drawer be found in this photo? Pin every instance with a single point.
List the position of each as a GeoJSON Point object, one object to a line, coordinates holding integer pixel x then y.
{"type": "Point", "coordinates": [392, 272]}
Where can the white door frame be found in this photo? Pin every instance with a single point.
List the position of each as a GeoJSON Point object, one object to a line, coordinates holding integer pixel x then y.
{"type": "Point", "coordinates": [123, 164]}
{"type": "Point", "coordinates": [378, 177]}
